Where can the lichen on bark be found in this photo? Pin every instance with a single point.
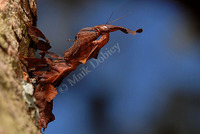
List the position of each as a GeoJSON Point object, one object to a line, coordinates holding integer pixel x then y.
{"type": "Point", "coordinates": [14, 39]}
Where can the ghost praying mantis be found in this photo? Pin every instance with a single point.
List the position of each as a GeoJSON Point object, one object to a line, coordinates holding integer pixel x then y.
{"type": "Point", "coordinates": [49, 71]}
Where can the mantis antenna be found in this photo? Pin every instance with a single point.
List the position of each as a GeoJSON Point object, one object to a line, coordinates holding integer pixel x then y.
{"type": "Point", "coordinates": [109, 18]}
{"type": "Point", "coordinates": [119, 18]}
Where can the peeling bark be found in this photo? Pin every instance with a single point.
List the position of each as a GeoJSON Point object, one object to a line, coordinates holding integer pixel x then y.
{"type": "Point", "coordinates": [14, 39]}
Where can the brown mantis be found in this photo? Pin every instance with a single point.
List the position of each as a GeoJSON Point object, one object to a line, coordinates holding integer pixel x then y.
{"type": "Point", "coordinates": [50, 71]}
{"type": "Point", "coordinates": [86, 39]}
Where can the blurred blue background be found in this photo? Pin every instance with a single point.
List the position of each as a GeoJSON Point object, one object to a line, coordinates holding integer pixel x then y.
{"type": "Point", "coordinates": [152, 86]}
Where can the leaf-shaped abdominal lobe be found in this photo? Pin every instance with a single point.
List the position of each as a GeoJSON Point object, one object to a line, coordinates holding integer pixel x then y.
{"type": "Point", "coordinates": [50, 92]}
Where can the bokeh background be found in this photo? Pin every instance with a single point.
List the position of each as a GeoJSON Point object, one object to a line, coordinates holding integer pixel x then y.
{"type": "Point", "coordinates": [152, 86]}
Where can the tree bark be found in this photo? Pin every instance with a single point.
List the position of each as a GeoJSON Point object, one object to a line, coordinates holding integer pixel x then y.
{"type": "Point", "coordinates": [14, 40]}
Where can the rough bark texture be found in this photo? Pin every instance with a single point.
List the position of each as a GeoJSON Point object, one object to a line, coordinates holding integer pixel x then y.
{"type": "Point", "coordinates": [14, 118]}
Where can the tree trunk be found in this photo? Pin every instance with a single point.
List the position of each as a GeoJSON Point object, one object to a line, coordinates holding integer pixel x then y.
{"type": "Point", "coordinates": [14, 40]}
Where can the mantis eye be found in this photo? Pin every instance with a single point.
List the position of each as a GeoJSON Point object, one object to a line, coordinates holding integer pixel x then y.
{"type": "Point", "coordinates": [105, 28]}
